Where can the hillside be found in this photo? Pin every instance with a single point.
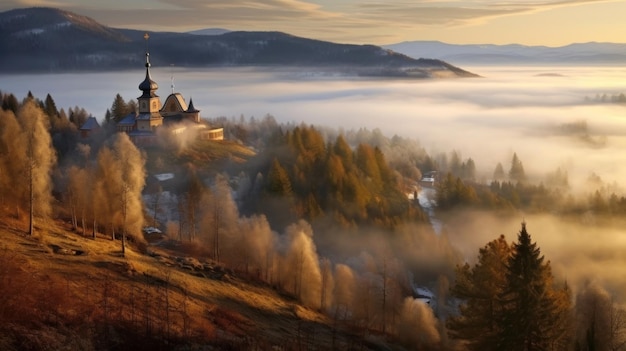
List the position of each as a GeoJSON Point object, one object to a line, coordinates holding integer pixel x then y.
{"type": "Point", "coordinates": [52, 40]}
{"type": "Point", "coordinates": [60, 289]}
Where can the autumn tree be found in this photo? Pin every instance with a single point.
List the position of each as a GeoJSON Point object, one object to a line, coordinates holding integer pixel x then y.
{"type": "Point", "coordinates": [480, 287]}
{"type": "Point", "coordinates": [39, 157]}
{"type": "Point", "coordinates": [601, 323]}
{"type": "Point", "coordinates": [220, 216]}
{"type": "Point", "coordinates": [120, 181]}
{"type": "Point", "coordinates": [119, 108]}
{"type": "Point", "coordinates": [132, 164]}
{"type": "Point", "coordinates": [190, 195]}
{"type": "Point", "coordinates": [278, 181]}
{"type": "Point", "coordinates": [10, 169]}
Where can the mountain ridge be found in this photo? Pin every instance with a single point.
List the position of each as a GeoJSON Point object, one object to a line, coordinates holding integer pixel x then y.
{"type": "Point", "coordinates": [53, 40]}
{"type": "Point", "coordinates": [574, 53]}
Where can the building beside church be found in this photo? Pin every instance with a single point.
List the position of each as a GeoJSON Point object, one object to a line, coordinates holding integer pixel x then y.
{"type": "Point", "coordinates": [174, 114]}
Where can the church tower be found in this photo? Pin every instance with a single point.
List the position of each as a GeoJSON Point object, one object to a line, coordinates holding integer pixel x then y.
{"type": "Point", "coordinates": [149, 103]}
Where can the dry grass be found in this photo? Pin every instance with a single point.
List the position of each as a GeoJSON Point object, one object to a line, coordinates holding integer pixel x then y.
{"type": "Point", "coordinates": [59, 288]}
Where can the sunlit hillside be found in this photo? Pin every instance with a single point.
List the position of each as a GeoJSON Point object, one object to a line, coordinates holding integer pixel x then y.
{"type": "Point", "coordinates": [61, 290]}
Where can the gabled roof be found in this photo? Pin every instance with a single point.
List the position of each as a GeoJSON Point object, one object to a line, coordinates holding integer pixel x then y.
{"type": "Point", "coordinates": [178, 99]}
{"type": "Point", "coordinates": [90, 124]}
{"type": "Point", "coordinates": [129, 120]}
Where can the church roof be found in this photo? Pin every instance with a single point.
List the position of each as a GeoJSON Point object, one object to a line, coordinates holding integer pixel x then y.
{"type": "Point", "coordinates": [90, 124]}
{"type": "Point", "coordinates": [191, 107]}
{"type": "Point", "coordinates": [178, 97]}
{"type": "Point", "coordinates": [148, 116]}
{"type": "Point", "coordinates": [148, 86]}
{"type": "Point", "coordinates": [129, 120]}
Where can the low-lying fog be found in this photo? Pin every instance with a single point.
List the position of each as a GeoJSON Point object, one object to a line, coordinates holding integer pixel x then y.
{"type": "Point", "coordinates": [541, 113]}
{"type": "Point", "coordinates": [510, 110]}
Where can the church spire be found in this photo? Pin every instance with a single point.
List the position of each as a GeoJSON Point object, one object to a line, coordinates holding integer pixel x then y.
{"type": "Point", "coordinates": [191, 108]}
{"type": "Point", "coordinates": [148, 86]}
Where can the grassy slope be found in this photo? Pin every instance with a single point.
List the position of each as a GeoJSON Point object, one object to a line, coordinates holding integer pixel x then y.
{"type": "Point", "coordinates": [102, 300]}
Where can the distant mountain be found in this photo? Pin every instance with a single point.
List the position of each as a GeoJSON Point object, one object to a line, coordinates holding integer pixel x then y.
{"type": "Point", "coordinates": [210, 31]}
{"type": "Point", "coordinates": [584, 53]}
{"type": "Point", "coordinates": [52, 40]}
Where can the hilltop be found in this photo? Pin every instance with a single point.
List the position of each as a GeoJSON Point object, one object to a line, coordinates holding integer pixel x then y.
{"type": "Point", "coordinates": [53, 40]}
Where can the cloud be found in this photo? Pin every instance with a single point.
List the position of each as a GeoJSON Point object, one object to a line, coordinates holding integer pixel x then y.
{"type": "Point", "coordinates": [349, 21]}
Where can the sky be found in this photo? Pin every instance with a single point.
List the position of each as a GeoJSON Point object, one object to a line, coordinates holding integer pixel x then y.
{"type": "Point", "coordinates": [380, 22]}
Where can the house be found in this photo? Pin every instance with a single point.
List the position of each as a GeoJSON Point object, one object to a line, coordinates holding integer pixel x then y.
{"type": "Point", "coordinates": [173, 114]}
{"type": "Point", "coordinates": [90, 127]}
{"type": "Point", "coordinates": [429, 179]}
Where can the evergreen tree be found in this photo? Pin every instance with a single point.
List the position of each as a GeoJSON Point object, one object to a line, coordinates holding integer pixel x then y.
{"type": "Point", "coordinates": [108, 116]}
{"type": "Point", "coordinates": [509, 301]}
{"type": "Point", "coordinates": [498, 173]}
{"type": "Point", "coordinates": [10, 103]}
{"type": "Point", "coordinates": [470, 169]}
{"type": "Point", "coordinates": [516, 173]}
{"type": "Point", "coordinates": [119, 108]}
{"type": "Point", "coordinates": [50, 108]}
{"type": "Point", "coordinates": [534, 314]}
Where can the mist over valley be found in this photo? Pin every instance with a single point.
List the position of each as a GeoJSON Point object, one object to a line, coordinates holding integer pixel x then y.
{"type": "Point", "coordinates": [566, 125]}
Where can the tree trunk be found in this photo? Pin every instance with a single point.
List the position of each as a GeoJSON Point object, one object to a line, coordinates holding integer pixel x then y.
{"type": "Point", "coordinates": [31, 226]}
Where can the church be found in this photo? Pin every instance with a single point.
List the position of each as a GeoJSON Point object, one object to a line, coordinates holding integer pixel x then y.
{"type": "Point", "coordinates": [174, 114]}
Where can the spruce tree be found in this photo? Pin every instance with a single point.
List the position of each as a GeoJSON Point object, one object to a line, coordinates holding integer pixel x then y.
{"type": "Point", "coordinates": [498, 173]}
{"type": "Point", "coordinates": [119, 108]}
{"type": "Point", "coordinates": [509, 301]}
{"type": "Point", "coordinates": [516, 173]}
{"type": "Point", "coordinates": [534, 312]}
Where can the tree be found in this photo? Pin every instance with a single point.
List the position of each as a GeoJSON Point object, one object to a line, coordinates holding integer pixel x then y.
{"type": "Point", "coordinates": [220, 216]}
{"type": "Point", "coordinates": [498, 173]}
{"type": "Point", "coordinates": [278, 179]}
{"type": "Point", "coordinates": [132, 164]}
{"type": "Point", "coordinates": [601, 323]}
{"type": "Point", "coordinates": [11, 168]}
{"type": "Point", "coordinates": [10, 103]}
{"type": "Point", "coordinates": [516, 173]}
{"type": "Point", "coordinates": [119, 108]}
{"type": "Point", "coordinates": [120, 181]}
{"type": "Point", "coordinates": [50, 108]}
{"type": "Point", "coordinates": [534, 312]}
{"type": "Point", "coordinates": [509, 301]}
{"type": "Point", "coordinates": [479, 288]}
{"type": "Point", "coordinates": [40, 159]}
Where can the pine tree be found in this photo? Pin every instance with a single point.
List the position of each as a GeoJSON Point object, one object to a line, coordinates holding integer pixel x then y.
{"type": "Point", "coordinates": [534, 313]}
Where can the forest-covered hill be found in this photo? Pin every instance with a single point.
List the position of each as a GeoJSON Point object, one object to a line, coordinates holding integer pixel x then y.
{"type": "Point", "coordinates": [53, 40]}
